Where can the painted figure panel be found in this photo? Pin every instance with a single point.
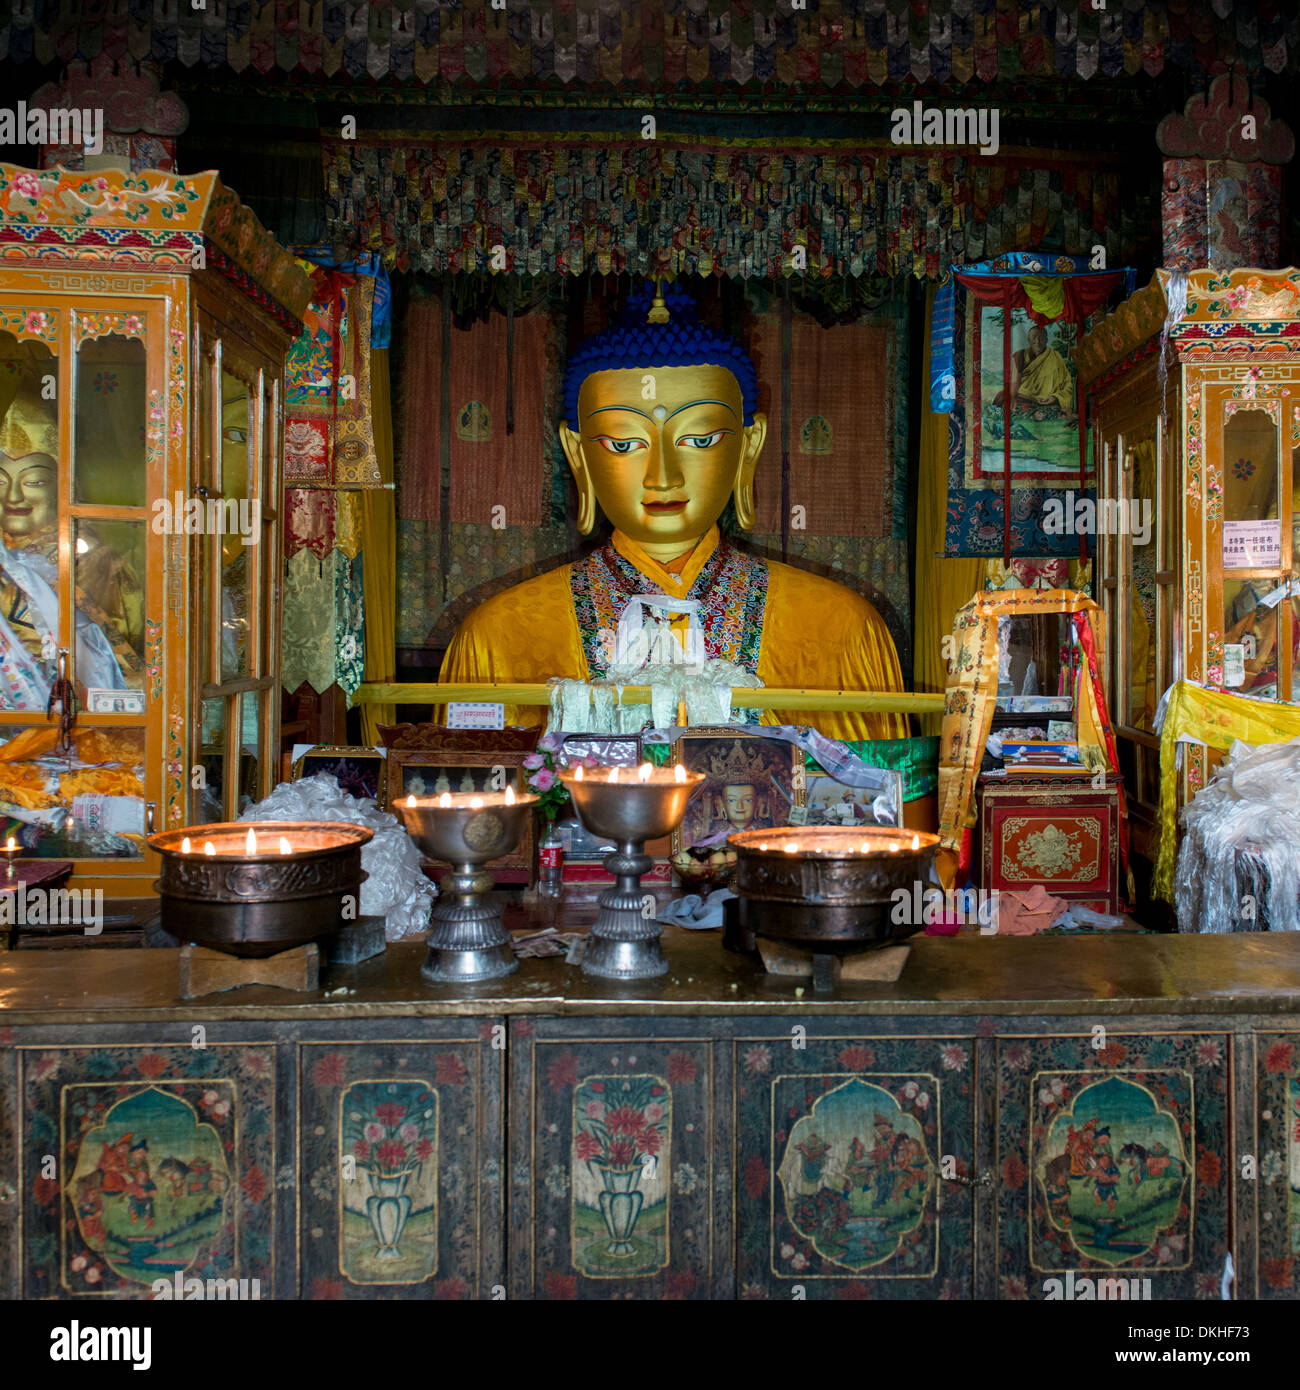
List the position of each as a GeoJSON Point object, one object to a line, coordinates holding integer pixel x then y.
{"type": "Point", "coordinates": [147, 1163]}
{"type": "Point", "coordinates": [1277, 1189]}
{"type": "Point", "coordinates": [1112, 1157]}
{"type": "Point", "coordinates": [843, 1148]}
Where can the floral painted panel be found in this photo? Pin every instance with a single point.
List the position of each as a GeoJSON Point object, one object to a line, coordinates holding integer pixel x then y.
{"type": "Point", "coordinates": [843, 1148]}
{"type": "Point", "coordinates": [1277, 1188]}
{"type": "Point", "coordinates": [144, 1163]}
{"type": "Point", "coordinates": [1112, 1156]}
{"type": "Point", "coordinates": [401, 1165]}
{"type": "Point", "coordinates": [621, 1169]}
{"type": "Point", "coordinates": [620, 1175]}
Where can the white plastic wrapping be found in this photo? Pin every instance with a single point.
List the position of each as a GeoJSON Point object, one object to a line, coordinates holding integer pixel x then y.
{"type": "Point", "coordinates": [1252, 804]}
{"type": "Point", "coordinates": [396, 888]}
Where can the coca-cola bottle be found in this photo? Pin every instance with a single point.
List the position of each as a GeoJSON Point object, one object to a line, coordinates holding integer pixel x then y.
{"type": "Point", "coordinates": [550, 863]}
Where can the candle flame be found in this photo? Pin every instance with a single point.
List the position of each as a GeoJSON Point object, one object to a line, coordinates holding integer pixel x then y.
{"type": "Point", "coordinates": [763, 846]}
{"type": "Point", "coordinates": [577, 773]}
{"type": "Point", "coordinates": [865, 847]}
{"type": "Point", "coordinates": [9, 845]}
{"type": "Point", "coordinates": [510, 796]}
{"type": "Point", "coordinates": [251, 843]}
{"type": "Point", "coordinates": [410, 800]}
{"type": "Point", "coordinates": [208, 847]}
{"type": "Point", "coordinates": [185, 845]}
{"type": "Point", "coordinates": [613, 774]}
{"type": "Point", "coordinates": [644, 772]}
{"type": "Point", "coordinates": [445, 799]}
{"type": "Point", "coordinates": [792, 847]}
{"type": "Point", "coordinates": [285, 846]}
{"type": "Point", "coordinates": [916, 842]}
{"type": "Point", "coordinates": [679, 773]}
{"type": "Point", "coordinates": [475, 802]}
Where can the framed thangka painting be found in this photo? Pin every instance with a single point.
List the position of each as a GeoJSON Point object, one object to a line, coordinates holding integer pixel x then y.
{"type": "Point", "coordinates": [1044, 398]}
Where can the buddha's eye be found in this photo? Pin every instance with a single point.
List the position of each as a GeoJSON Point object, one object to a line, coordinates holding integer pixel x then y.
{"type": "Point", "coordinates": [702, 441]}
{"type": "Point", "coordinates": [621, 446]}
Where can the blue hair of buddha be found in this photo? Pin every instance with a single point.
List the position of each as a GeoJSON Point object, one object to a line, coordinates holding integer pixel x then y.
{"type": "Point", "coordinates": [681, 342]}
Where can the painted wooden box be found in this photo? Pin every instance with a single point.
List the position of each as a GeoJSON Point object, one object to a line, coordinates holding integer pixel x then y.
{"type": "Point", "coordinates": [1065, 838]}
{"type": "Point", "coordinates": [1114, 1158]}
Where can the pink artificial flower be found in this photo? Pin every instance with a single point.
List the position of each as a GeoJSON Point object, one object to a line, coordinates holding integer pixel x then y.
{"type": "Point", "coordinates": [542, 781]}
{"type": "Point", "coordinates": [532, 761]}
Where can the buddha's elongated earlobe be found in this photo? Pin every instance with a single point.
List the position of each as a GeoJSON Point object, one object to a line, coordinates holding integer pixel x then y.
{"type": "Point", "coordinates": [743, 489]}
{"type": "Point", "coordinates": [571, 443]}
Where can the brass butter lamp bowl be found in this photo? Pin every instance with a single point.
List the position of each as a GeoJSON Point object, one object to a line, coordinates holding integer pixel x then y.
{"type": "Point", "coordinates": [629, 806]}
{"type": "Point", "coordinates": [468, 941]}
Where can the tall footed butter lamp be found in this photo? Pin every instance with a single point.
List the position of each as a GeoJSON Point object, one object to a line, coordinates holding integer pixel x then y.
{"type": "Point", "coordinates": [628, 807]}
{"type": "Point", "coordinates": [661, 429]}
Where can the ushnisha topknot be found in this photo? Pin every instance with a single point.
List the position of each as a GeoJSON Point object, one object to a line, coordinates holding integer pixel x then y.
{"type": "Point", "coordinates": [681, 342]}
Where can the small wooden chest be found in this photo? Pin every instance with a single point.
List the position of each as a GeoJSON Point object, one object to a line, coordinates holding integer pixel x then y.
{"type": "Point", "coordinates": [1065, 837]}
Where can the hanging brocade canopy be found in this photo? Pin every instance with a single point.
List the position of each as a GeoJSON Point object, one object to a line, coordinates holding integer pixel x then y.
{"type": "Point", "coordinates": [569, 203]}
{"type": "Point", "coordinates": [832, 44]}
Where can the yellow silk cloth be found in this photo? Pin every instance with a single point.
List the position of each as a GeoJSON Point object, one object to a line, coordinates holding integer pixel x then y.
{"type": "Point", "coordinates": [972, 696]}
{"type": "Point", "coordinates": [1217, 718]}
{"type": "Point", "coordinates": [816, 634]}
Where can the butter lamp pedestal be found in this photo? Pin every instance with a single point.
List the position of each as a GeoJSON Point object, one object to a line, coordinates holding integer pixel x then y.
{"type": "Point", "coordinates": [623, 943]}
{"type": "Point", "coordinates": [467, 941]}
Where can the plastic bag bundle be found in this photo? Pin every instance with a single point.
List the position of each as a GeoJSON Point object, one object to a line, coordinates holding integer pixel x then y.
{"type": "Point", "coordinates": [396, 888]}
{"type": "Point", "coordinates": [1239, 862]}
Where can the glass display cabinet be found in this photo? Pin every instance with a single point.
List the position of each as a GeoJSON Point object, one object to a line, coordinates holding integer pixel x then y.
{"type": "Point", "coordinates": [144, 321]}
{"type": "Point", "coordinates": [1198, 577]}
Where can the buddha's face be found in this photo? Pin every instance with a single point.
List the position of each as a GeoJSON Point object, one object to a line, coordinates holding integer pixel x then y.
{"type": "Point", "coordinates": [739, 802]}
{"type": "Point", "coordinates": [28, 495]}
{"type": "Point", "coordinates": [661, 451]}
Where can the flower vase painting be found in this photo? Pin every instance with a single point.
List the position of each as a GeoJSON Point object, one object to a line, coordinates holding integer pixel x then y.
{"type": "Point", "coordinates": [388, 1189]}
{"type": "Point", "coordinates": [622, 1127]}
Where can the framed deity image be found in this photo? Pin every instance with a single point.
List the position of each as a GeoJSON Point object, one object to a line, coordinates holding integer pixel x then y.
{"type": "Point", "coordinates": [750, 783]}
{"type": "Point", "coordinates": [430, 772]}
{"type": "Point", "coordinates": [361, 772]}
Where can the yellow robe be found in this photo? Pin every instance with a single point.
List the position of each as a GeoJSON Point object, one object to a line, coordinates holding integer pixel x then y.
{"type": "Point", "coordinates": [1047, 379]}
{"type": "Point", "coordinates": [816, 634]}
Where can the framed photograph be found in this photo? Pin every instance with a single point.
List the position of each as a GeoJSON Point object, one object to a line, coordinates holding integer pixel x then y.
{"type": "Point", "coordinates": [360, 771]}
{"type": "Point", "coordinates": [430, 772]}
{"type": "Point", "coordinates": [750, 783]}
{"type": "Point", "coordinates": [829, 802]}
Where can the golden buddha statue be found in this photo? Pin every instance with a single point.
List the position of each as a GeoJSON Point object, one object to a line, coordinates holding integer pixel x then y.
{"type": "Point", "coordinates": [109, 597]}
{"type": "Point", "coordinates": [660, 429]}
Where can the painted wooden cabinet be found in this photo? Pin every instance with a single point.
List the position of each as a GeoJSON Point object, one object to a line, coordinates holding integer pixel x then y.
{"type": "Point", "coordinates": [1198, 439]}
{"type": "Point", "coordinates": [969, 1144]}
{"type": "Point", "coordinates": [144, 320]}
